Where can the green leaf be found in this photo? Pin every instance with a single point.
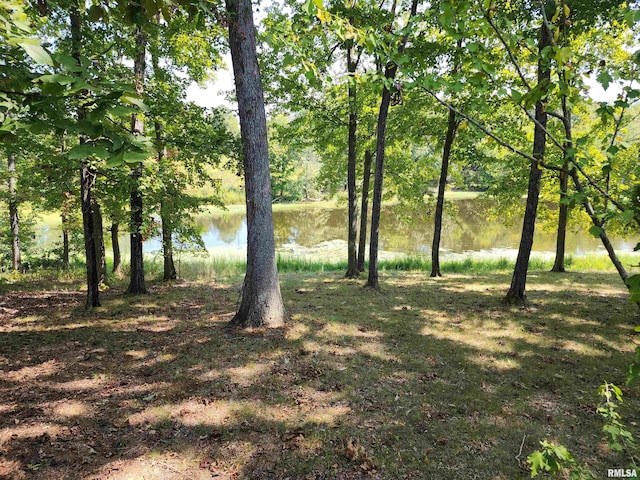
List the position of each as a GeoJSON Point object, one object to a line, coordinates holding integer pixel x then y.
{"type": "Point", "coordinates": [633, 282]}
{"type": "Point", "coordinates": [132, 157]}
{"type": "Point", "coordinates": [604, 78]}
{"type": "Point", "coordinates": [637, 247]}
{"type": "Point", "coordinates": [537, 462]}
{"type": "Point", "coordinates": [563, 55]}
{"type": "Point", "coordinates": [612, 150]}
{"type": "Point", "coordinates": [133, 100]}
{"type": "Point", "coordinates": [595, 231]}
{"type": "Point", "coordinates": [68, 62]}
{"type": "Point", "coordinates": [627, 216]}
{"type": "Point", "coordinates": [571, 152]}
{"type": "Point", "coordinates": [37, 53]}
{"type": "Point", "coordinates": [55, 78]}
{"type": "Point", "coordinates": [79, 152]}
{"type": "Point", "coordinates": [95, 13]}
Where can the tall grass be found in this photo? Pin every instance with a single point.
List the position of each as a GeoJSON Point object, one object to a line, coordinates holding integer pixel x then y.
{"type": "Point", "coordinates": [198, 268]}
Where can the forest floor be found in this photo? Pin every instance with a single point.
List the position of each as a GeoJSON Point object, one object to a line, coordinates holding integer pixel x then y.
{"type": "Point", "coordinates": [426, 378]}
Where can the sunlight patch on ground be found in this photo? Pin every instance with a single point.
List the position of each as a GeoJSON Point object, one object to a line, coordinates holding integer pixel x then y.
{"type": "Point", "coordinates": [155, 466]}
{"type": "Point", "coordinates": [582, 349]}
{"type": "Point", "coordinates": [328, 415]}
{"type": "Point", "coordinates": [377, 350]}
{"type": "Point", "coordinates": [297, 331]}
{"type": "Point", "coordinates": [27, 374]}
{"type": "Point", "coordinates": [69, 409]}
{"type": "Point", "coordinates": [137, 354]}
{"type": "Point", "coordinates": [247, 374]}
{"type": "Point", "coordinates": [335, 329]}
{"type": "Point", "coordinates": [491, 362]}
{"type": "Point", "coordinates": [82, 384]}
{"type": "Point", "coordinates": [31, 430]}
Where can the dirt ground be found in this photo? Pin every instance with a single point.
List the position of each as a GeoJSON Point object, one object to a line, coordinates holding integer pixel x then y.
{"type": "Point", "coordinates": [428, 378]}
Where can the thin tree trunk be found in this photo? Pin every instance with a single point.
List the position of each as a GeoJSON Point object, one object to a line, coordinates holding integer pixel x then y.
{"type": "Point", "coordinates": [352, 266]}
{"type": "Point", "coordinates": [563, 217]}
{"type": "Point", "coordinates": [563, 209]}
{"type": "Point", "coordinates": [87, 179]}
{"type": "Point", "coordinates": [261, 303]}
{"type": "Point", "coordinates": [598, 223]}
{"type": "Point", "coordinates": [452, 126]}
{"type": "Point", "coordinates": [169, 270]}
{"type": "Point", "coordinates": [65, 238]}
{"type": "Point", "coordinates": [64, 214]}
{"type": "Point", "coordinates": [99, 242]}
{"type": "Point", "coordinates": [390, 73]}
{"type": "Point", "coordinates": [517, 291]}
{"type": "Point", "coordinates": [136, 280]}
{"type": "Point", "coordinates": [364, 209]}
{"type": "Point", "coordinates": [16, 260]}
{"type": "Point", "coordinates": [115, 244]}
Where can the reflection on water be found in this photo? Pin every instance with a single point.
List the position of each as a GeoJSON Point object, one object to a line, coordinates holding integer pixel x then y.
{"type": "Point", "coordinates": [466, 228]}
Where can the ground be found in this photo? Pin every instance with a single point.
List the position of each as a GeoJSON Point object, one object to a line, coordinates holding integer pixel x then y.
{"type": "Point", "coordinates": [427, 378]}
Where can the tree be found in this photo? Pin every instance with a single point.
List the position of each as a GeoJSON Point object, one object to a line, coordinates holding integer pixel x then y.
{"type": "Point", "coordinates": [261, 303]}
{"type": "Point", "coordinates": [389, 75]}
{"type": "Point", "coordinates": [136, 273]}
{"type": "Point", "coordinates": [516, 293]}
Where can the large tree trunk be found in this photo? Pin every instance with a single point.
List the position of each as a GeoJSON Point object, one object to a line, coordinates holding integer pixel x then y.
{"type": "Point", "coordinates": [452, 126]}
{"type": "Point", "coordinates": [87, 179]}
{"type": "Point", "coordinates": [517, 291]}
{"type": "Point", "coordinates": [364, 209]}
{"type": "Point", "coordinates": [169, 270]}
{"type": "Point", "coordinates": [261, 303]}
{"type": "Point", "coordinates": [16, 260]}
{"type": "Point", "coordinates": [381, 133]}
{"type": "Point", "coordinates": [115, 245]}
{"type": "Point", "coordinates": [352, 266]}
{"type": "Point", "coordinates": [98, 234]}
{"type": "Point", "coordinates": [136, 280]}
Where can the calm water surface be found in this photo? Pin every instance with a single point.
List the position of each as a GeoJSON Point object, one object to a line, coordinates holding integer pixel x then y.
{"type": "Point", "coordinates": [467, 228]}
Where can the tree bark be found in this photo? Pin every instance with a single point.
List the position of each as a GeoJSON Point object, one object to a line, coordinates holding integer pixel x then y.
{"type": "Point", "coordinates": [261, 303]}
{"type": "Point", "coordinates": [115, 244]}
{"type": "Point", "coordinates": [563, 208]}
{"type": "Point", "coordinates": [517, 291]}
{"type": "Point", "coordinates": [98, 234]}
{"type": "Point", "coordinates": [65, 241]}
{"type": "Point", "coordinates": [563, 217]}
{"type": "Point", "coordinates": [136, 279]}
{"type": "Point", "coordinates": [364, 209]}
{"type": "Point", "coordinates": [452, 126]}
{"type": "Point", "coordinates": [16, 257]}
{"type": "Point", "coordinates": [169, 270]}
{"type": "Point", "coordinates": [390, 73]}
{"type": "Point", "coordinates": [87, 178]}
{"type": "Point", "coordinates": [352, 265]}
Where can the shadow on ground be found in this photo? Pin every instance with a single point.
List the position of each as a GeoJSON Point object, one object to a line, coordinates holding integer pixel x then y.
{"type": "Point", "coordinates": [424, 379]}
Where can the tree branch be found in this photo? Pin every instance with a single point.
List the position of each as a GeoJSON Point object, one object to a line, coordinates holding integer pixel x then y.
{"type": "Point", "coordinates": [488, 132]}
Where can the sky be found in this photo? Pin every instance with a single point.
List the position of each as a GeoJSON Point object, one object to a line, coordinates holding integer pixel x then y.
{"type": "Point", "coordinates": [216, 93]}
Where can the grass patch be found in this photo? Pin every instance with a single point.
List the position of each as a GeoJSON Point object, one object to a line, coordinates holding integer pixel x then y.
{"type": "Point", "coordinates": [427, 378]}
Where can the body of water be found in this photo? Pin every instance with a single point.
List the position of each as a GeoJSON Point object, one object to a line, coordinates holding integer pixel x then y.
{"type": "Point", "coordinates": [467, 228]}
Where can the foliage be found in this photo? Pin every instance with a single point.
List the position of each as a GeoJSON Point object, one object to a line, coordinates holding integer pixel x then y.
{"type": "Point", "coordinates": [556, 459]}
